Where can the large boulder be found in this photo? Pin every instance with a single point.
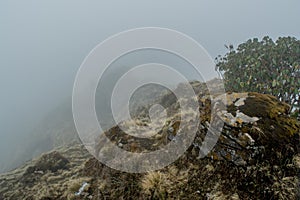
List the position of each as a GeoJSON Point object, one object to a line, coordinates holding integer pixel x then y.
{"type": "Point", "coordinates": [256, 127]}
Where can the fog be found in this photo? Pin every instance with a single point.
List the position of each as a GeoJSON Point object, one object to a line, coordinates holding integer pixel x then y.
{"type": "Point", "coordinates": [43, 43]}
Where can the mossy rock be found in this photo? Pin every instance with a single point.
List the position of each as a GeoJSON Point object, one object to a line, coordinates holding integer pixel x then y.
{"type": "Point", "coordinates": [277, 126]}
{"type": "Point", "coordinates": [52, 162]}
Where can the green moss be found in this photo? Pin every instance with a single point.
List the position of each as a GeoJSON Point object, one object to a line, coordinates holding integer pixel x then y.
{"type": "Point", "coordinates": [275, 121]}
{"type": "Point", "coordinates": [263, 105]}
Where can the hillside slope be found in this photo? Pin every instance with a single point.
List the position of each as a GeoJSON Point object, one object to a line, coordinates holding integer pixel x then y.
{"type": "Point", "coordinates": [256, 157]}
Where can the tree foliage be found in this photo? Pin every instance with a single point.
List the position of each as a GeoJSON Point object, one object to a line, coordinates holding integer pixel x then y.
{"type": "Point", "coordinates": [266, 66]}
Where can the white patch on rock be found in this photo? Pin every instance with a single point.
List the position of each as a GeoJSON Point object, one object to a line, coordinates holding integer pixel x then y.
{"type": "Point", "coordinates": [240, 102]}
{"type": "Point", "coordinates": [246, 118]}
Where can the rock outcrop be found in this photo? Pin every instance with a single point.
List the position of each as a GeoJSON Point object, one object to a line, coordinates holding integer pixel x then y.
{"type": "Point", "coordinates": [256, 157]}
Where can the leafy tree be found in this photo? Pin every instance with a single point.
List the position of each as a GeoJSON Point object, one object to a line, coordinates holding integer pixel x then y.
{"type": "Point", "coordinates": [264, 66]}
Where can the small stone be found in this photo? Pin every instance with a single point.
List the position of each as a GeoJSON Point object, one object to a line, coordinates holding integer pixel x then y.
{"type": "Point", "coordinates": [240, 162]}
{"type": "Point", "coordinates": [171, 129]}
{"type": "Point", "coordinates": [120, 145]}
{"type": "Point", "coordinates": [171, 137]}
{"type": "Point", "coordinates": [38, 172]}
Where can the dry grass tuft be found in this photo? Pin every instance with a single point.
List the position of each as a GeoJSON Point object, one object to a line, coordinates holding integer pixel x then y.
{"type": "Point", "coordinates": [164, 185]}
{"type": "Point", "coordinates": [155, 184]}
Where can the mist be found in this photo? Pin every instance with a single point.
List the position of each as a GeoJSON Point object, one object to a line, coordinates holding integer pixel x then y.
{"type": "Point", "coordinates": [43, 43]}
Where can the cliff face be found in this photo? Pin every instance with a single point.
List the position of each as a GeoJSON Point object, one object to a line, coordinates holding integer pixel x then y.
{"type": "Point", "coordinates": [256, 157]}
